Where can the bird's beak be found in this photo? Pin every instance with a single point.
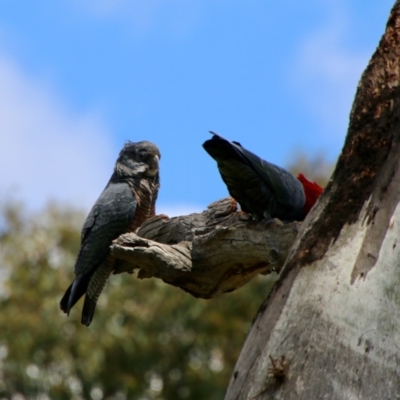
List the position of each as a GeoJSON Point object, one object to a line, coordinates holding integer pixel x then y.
{"type": "Point", "coordinates": [153, 165]}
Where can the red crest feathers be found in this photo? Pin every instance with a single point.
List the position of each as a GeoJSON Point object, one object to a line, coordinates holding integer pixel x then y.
{"type": "Point", "coordinates": [312, 191]}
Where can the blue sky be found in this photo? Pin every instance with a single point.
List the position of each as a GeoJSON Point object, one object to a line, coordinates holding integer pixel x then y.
{"type": "Point", "coordinates": [79, 77]}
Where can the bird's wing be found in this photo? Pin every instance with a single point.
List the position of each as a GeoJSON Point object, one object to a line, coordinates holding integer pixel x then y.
{"type": "Point", "coordinates": [109, 218]}
{"type": "Point", "coordinates": [288, 189]}
{"type": "Point", "coordinates": [280, 181]}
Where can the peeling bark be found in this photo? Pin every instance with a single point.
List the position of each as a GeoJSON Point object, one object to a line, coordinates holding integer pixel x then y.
{"type": "Point", "coordinates": [334, 313]}
{"type": "Point", "coordinates": [205, 254]}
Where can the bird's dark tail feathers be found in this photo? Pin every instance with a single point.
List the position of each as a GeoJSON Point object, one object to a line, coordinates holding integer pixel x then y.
{"type": "Point", "coordinates": [220, 148]}
{"type": "Point", "coordinates": [76, 290]}
{"type": "Point", "coordinates": [64, 300]}
{"type": "Point", "coordinates": [96, 285]}
{"type": "Point", "coordinates": [89, 306]}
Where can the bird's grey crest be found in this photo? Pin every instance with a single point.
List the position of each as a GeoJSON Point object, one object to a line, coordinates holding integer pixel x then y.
{"type": "Point", "coordinates": [139, 158]}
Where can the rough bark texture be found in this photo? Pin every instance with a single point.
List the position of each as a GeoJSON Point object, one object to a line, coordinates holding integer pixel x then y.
{"type": "Point", "coordinates": [334, 313]}
{"type": "Point", "coordinates": [205, 254]}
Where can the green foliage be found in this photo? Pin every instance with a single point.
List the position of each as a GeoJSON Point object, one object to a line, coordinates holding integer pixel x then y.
{"type": "Point", "coordinates": [316, 168]}
{"type": "Point", "coordinates": [148, 340]}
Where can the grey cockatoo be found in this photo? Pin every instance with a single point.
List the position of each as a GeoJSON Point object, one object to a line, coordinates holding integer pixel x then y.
{"type": "Point", "coordinates": [126, 202]}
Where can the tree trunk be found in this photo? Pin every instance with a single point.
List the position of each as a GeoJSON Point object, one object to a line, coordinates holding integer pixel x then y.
{"type": "Point", "coordinates": [330, 329]}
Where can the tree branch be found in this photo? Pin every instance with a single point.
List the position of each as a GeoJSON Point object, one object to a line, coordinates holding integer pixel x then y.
{"type": "Point", "coordinates": [206, 254]}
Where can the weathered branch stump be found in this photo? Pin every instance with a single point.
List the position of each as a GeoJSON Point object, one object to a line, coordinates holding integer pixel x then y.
{"type": "Point", "coordinates": [205, 254]}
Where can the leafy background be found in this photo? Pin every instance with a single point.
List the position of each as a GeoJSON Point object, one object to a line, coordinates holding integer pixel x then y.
{"type": "Point", "coordinates": [148, 340]}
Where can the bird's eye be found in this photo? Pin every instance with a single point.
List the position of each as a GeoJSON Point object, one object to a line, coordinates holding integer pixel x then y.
{"type": "Point", "coordinates": [142, 155]}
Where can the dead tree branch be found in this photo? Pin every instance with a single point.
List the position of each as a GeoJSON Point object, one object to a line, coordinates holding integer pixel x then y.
{"type": "Point", "coordinates": [206, 254]}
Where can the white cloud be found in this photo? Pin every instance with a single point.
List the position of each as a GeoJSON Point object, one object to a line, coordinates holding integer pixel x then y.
{"type": "Point", "coordinates": [47, 152]}
{"type": "Point", "coordinates": [178, 209]}
{"type": "Point", "coordinates": [325, 73]}
{"type": "Point", "coordinates": [179, 16]}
